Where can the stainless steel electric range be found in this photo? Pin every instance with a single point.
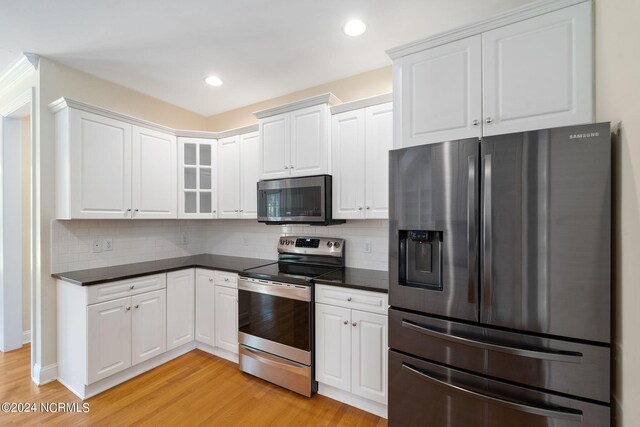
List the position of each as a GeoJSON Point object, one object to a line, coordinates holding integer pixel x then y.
{"type": "Point", "coordinates": [276, 316]}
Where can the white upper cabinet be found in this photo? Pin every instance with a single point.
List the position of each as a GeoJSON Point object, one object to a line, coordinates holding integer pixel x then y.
{"type": "Point", "coordinates": [238, 176]}
{"type": "Point", "coordinates": [309, 141]}
{"type": "Point", "coordinates": [110, 169]}
{"type": "Point", "coordinates": [93, 166]}
{"type": "Point", "coordinates": [440, 93]}
{"type": "Point", "coordinates": [294, 138]}
{"type": "Point", "coordinates": [154, 189]}
{"type": "Point", "coordinates": [249, 166]}
{"type": "Point", "coordinates": [538, 73]}
{"type": "Point", "coordinates": [197, 178]}
{"type": "Point", "coordinates": [274, 147]}
{"type": "Point", "coordinates": [360, 144]}
{"type": "Point", "coordinates": [530, 68]}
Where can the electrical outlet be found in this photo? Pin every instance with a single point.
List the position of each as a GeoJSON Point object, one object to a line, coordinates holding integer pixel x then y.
{"type": "Point", "coordinates": [97, 245]}
{"type": "Point", "coordinates": [245, 240]}
{"type": "Point", "coordinates": [184, 238]}
{"type": "Point", "coordinates": [367, 246]}
{"type": "Point", "coordinates": [107, 244]}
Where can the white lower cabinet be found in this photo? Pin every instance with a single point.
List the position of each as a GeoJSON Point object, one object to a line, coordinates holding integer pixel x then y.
{"type": "Point", "coordinates": [226, 318]}
{"type": "Point", "coordinates": [351, 347]}
{"type": "Point", "coordinates": [180, 307]}
{"type": "Point", "coordinates": [205, 297]}
{"type": "Point", "coordinates": [124, 332]}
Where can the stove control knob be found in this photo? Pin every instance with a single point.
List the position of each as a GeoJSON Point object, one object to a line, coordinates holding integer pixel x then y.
{"type": "Point", "coordinates": [336, 245]}
{"type": "Point", "coordinates": [329, 244]}
{"type": "Point", "coordinates": [281, 242]}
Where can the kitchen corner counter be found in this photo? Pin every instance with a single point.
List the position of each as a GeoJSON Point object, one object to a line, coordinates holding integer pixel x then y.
{"type": "Point", "coordinates": [94, 276]}
{"type": "Point", "coordinates": [357, 278]}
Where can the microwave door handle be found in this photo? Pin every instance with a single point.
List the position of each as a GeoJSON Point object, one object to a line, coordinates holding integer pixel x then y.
{"type": "Point", "coordinates": [559, 413]}
{"type": "Point", "coordinates": [472, 239]}
{"type": "Point", "coordinates": [487, 276]}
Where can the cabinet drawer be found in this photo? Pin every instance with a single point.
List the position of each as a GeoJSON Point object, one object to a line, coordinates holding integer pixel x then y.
{"type": "Point", "coordinates": [224, 278]}
{"type": "Point", "coordinates": [125, 288]}
{"type": "Point", "coordinates": [373, 302]}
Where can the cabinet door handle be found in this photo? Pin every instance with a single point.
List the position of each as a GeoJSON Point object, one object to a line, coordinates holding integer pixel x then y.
{"type": "Point", "coordinates": [241, 210]}
{"type": "Point", "coordinates": [291, 166]}
{"type": "Point", "coordinates": [136, 306]}
{"type": "Point", "coordinates": [128, 308]}
{"type": "Point", "coordinates": [349, 299]}
{"type": "Point", "coordinates": [286, 167]}
{"type": "Point", "coordinates": [346, 322]}
{"type": "Point", "coordinates": [226, 279]}
{"type": "Point", "coordinates": [210, 279]}
{"type": "Point", "coordinates": [475, 123]}
{"type": "Point", "coordinates": [129, 210]}
{"type": "Point", "coordinates": [215, 211]}
{"type": "Point", "coordinates": [489, 120]}
{"type": "Point", "coordinates": [131, 287]}
{"type": "Point", "coordinates": [368, 207]}
{"type": "Point", "coordinates": [354, 324]}
{"type": "Point", "coordinates": [359, 208]}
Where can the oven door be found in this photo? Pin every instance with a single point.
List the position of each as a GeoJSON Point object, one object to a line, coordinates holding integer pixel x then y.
{"type": "Point", "coordinates": [291, 200]}
{"type": "Point", "coordinates": [275, 318]}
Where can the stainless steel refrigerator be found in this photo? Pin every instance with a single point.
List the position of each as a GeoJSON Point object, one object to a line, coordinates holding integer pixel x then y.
{"type": "Point", "coordinates": [499, 264]}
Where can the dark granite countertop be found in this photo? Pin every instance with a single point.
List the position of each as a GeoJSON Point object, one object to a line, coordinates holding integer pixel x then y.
{"type": "Point", "coordinates": [357, 278]}
{"type": "Point", "coordinates": [94, 276]}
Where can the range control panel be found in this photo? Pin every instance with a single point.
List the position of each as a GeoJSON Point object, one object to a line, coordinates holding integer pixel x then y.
{"type": "Point", "coordinates": [311, 245]}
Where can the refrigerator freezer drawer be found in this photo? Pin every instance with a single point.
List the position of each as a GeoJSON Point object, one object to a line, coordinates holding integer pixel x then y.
{"type": "Point", "coordinates": [421, 391]}
{"type": "Point", "coordinates": [557, 365]}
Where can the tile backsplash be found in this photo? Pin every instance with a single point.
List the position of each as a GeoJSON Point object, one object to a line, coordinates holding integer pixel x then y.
{"type": "Point", "coordinates": [137, 241]}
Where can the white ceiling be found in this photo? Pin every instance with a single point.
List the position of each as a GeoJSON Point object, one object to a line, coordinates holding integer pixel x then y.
{"type": "Point", "coordinates": [260, 48]}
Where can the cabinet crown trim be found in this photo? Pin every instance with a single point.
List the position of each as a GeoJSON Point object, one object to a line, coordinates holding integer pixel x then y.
{"type": "Point", "coordinates": [18, 71]}
{"type": "Point", "coordinates": [362, 103]}
{"type": "Point", "coordinates": [325, 98]}
{"type": "Point", "coordinates": [518, 14]}
{"type": "Point", "coordinates": [62, 103]}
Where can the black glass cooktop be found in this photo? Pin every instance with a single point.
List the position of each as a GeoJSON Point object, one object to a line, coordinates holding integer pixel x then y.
{"type": "Point", "coordinates": [288, 272]}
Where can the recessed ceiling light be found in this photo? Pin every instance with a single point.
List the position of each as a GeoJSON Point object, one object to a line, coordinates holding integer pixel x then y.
{"type": "Point", "coordinates": [354, 28]}
{"type": "Point", "coordinates": [213, 81]}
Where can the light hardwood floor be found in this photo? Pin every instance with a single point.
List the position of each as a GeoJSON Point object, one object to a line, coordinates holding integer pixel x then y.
{"type": "Point", "coordinates": [194, 389]}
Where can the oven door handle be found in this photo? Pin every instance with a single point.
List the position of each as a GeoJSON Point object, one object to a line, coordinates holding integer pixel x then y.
{"type": "Point", "coordinates": [269, 359]}
{"type": "Point", "coordinates": [560, 413]}
{"type": "Point", "coordinates": [291, 292]}
{"type": "Point", "coordinates": [533, 354]}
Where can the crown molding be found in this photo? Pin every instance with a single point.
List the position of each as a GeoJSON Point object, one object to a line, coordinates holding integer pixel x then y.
{"type": "Point", "coordinates": [362, 103]}
{"type": "Point", "coordinates": [20, 101]}
{"type": "Point", "coordinates": [512, 16]}
{"type": "Point", "coordinates": [18, 71]}
{"type": "Point", "coordinates": [196, 134]}
{"type": "Point", "coordinates": [325, 98]}
{"type": "Point", "coordinates": [238, 131]}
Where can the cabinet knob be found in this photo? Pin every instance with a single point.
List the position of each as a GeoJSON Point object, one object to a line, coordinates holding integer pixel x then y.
{"type": "Point", "coordinates": [354, 324]}
{"type": "Point", "coordinates": [346, 322]}
{"type": "Point", "coordinates": [286, 167]}
{"type": "Point", "coordinates": [136, 306]}
{"type": "Point", "coordinates": [291, 166]}
{"type": "Point", "coordinates": [489, 120]}
{"type": "Point", "coordinates": [349, 299]}
{"type": "Point", "coordinates": [236, 210]}
{"type": "Point", "coordinates": [368, 207]}
{"type": "Point", "coordinates": [359, 208]}
{"type": "Point", "coordinates": [475, 122]}
{"type": "Point", "coordinates": [241, 210]}
{"type": "Point", "coordinates": [226, 279]}
{"type": "Point", "coordinates": [129, 210]}
{"type": "Point", "coordinates": [128, 308]}
{"type": "Point", "coordinates": [210, 279]}
{"type": "Point", "coordinates": [131, 287]}
{"type": "Point", "coordinates": [215, 211]}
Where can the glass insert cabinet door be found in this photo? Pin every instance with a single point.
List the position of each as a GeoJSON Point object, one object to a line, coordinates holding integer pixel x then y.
{"type": "Point", "coordinates": [197, 178]}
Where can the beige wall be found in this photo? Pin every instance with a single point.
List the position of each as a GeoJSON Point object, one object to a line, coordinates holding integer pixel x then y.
{"type": "Point", "coordinates": [25, 136]}
{"type": "Point", "coordinates": [617, 100]}
{"type": "Point", "coordinates": [65, 81]}
{"type": "Point", "coordinates": [360, 86]}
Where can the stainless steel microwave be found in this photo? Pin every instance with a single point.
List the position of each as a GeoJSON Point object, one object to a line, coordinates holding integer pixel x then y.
{"type": "Point", "coordinates": [304, 200]}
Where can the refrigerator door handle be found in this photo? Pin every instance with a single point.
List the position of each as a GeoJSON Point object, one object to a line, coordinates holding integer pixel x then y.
{"type": "Point", "coordinates": [532, 354]}
{"type": "Point", "coordinates": [472, 240]}
{"type": "Point", "coordinates": [560, 413]}
{"type": "Point", "coordinates": [486, 232]}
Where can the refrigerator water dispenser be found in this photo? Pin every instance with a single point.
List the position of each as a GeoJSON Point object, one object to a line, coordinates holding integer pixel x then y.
{"type": "Point", "coordinates": [421, 258]}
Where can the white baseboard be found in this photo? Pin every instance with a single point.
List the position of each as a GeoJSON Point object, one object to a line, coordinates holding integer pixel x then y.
{"type": "Point", "coordinates": [26, 337]}
{"type": "Point", "coordinates": [232, 357]}
{"type": "Point", "coordinates": [351, 399]}
{"type": "Point", "coordinates": [46, 374]}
